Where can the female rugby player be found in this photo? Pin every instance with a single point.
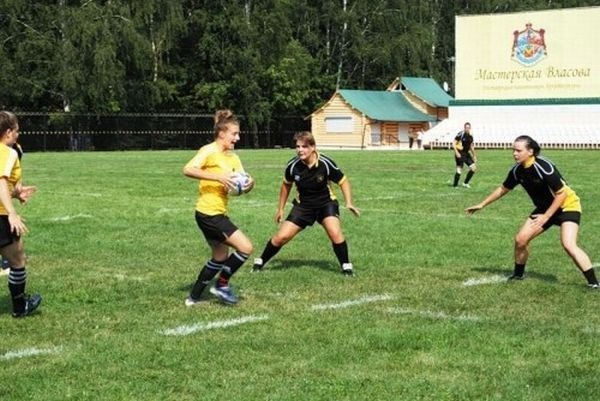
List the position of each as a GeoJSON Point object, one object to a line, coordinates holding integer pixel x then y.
{"type": "Point", "coordinates": [312, 173]}
{"type": "Point", "coordinates": [215, 166]}
{"type": "Point", "coordinates": [555, 204]}
{"type": "Point", "coordinates": [11, 226]}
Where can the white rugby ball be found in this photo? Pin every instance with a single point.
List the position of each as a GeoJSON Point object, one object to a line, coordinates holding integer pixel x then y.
{"type": "Point", "coordinates": [241, 179]}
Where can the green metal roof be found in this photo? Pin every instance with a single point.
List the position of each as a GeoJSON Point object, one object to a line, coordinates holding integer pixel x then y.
{"type": "Point", "coordinates": [383, 105]}
{"type": "Point", "coordinates": [428, 90]}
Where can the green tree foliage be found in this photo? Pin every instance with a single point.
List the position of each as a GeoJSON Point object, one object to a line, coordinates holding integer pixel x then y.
{"type": "Point", "coordinates": [262, 58]}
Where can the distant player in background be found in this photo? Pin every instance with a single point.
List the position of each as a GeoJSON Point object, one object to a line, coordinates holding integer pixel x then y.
{"type": "Point", "coordinates": [464, 153]}
{"type": "Point", "coordinates": [11, 226]}
{"type": "Point", "coordinates": [555, 204]}
{"type": "Point", "coordinates": [312, 173]}
{"type": "Point", "coordinates": [215, 166]}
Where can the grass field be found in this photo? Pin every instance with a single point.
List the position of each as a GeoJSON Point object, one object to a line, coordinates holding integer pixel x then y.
{"type": "Point", "coordinates": [113, 247]}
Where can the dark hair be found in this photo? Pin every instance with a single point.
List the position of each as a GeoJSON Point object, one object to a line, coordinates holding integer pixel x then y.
{"type": "Point", "coordinates": [222, 118]}
{"type": "Point", "coordinates": [530, 144]}
{"type": "Point", "coordinates": [305, 136]}
{"type": "Point", "coordinates": [7, 121]}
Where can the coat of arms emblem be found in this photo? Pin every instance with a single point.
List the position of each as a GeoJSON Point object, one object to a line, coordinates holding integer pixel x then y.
{"type": "Point", "coordinates": [529, 46]}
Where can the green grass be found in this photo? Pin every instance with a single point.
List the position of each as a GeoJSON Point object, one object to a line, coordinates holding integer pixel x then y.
{"type": "Point", "coordinates": [115, 273]}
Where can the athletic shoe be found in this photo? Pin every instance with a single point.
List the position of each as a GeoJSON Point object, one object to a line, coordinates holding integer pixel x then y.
{"type": "Point", "coordinates": [189, 301]}
{"type": "Point", "coordinates": [31, 304]}
{"type": "Point", "coordinates": [225, 294]}
{"type": "Point", "coordinates": [258, 265]}
{"type": "Point", "coordinates": [466, 185]}
{"type": "Point", "coordinates": [594, 286]}
{"type": "Point", "coordinates": [516, 277]}
{"type": "Point", "coordinates": [347, 269]}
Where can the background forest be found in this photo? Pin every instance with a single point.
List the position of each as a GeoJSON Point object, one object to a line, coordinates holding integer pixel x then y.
{"type": "Point", "coordinates": [263, 58]}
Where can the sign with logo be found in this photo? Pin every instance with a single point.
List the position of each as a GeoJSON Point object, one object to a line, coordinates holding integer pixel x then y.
{"type": "Point", "coordinates": [528, 55]}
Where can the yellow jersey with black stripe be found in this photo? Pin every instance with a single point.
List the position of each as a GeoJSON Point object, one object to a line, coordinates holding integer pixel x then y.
{"type": "Point", "coordinates": [212, 195]}
{"type": "Point", "coordinates": [10, 167]}
{"type": "Point", "coordinates": [542, 181]}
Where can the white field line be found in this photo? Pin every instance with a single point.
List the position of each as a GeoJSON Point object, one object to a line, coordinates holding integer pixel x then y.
{"type": "Point", "coordinates": [435, 315]}
{"type": "Point", "coordinates": [73, 217]}
{"type": "Point", "coordinates": [164, 210]}
{"type": "Point", "coordinates": [485, 280]}
{"type": "Point", "coordinates": [73, 194]}
{"type": "Point", "coordinates": [220, 324]}
{"type": "Point", "coordinates": [359, 301]}
{"type": "Point", "coordinates": [25, 352]}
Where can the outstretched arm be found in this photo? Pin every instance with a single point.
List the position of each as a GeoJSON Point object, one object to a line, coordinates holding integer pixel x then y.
{"type": "Point", "coordinates": [347, 192]}
{"type": "Point", "coordinates": [284, 194]}
{"type": "Point", "coordinates": [494, 196]}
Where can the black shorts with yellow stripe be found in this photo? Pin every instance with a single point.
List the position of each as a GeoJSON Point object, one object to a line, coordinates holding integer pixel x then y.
{"type": "Point", "coordinates": [216, 229]}
{"type": "Point", "coordinates": [303, 216]}
{"type": "Point", "coordinates": [559, 217]}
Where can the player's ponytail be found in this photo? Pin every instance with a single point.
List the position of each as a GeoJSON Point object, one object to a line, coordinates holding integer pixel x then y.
{"type": "Point", "coordinates": [7, 121]}
{"type": "Point", "coordinates": [222, 118]}
{"type": "Point", "coordinates": [530, 144]}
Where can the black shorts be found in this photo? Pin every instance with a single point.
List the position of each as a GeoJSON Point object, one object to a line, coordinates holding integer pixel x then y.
{"type": "Point", "coordinates": [559, 217]}
{"type": "Point", "coordinates": [302, 216]}
{"type": "Point", "coordinates": [216, 229]}
{"type": "Point", "coordinates": [6, 236]}
{"type": "Point", "coordinates": [464, 159]}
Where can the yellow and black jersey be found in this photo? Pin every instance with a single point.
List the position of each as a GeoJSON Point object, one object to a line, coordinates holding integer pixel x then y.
{"type": "Point", "coordinates": [10, 170]}
{"type": "Point", "coordinates": [313, 183]}
{"type": "Point", "coordinates": [212, 195]}
{"type": "Point", "coordinates": [463, 141]}
{"type": "Point", "coordinates": [542, 181]}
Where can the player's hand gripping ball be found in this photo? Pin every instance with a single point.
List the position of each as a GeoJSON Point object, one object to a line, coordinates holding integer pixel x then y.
{"type": "Point", "coordinates": [241, 180]}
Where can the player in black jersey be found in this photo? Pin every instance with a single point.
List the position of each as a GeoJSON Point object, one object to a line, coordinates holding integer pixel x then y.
{"type": "Point", "coordinates": [312, 173]}
{"type": "Point", "coordinates": [555, 204]}
{"type": "Point", "coordinates": [464, 153]}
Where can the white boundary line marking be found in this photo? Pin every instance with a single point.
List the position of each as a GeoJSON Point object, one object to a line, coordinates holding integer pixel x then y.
{"type": "Point", "coordinates": [73, 217]}
{"type": "Point", "coordinates": [485, 280]}
{"type": "Point", "coordinates": [185, 330]}
{"type": "Point", "coordinates": [33, 351]}
{"type": "Point", "coordinates": [434, 314]}
{"type": "Point", "coordinates": [359, 301]}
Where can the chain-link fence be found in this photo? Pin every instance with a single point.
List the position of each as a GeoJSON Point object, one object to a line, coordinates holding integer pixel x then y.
{"type": "Point", "coordinates": [85, 132]}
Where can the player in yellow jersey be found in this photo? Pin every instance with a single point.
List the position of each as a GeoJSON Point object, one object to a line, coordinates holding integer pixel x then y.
{"type": "Point", "coordinates": [214, 166]}
{"type": "Point", "coordinates": [555, 204]}
{"type": "Point", "coordinates": [11, 226]}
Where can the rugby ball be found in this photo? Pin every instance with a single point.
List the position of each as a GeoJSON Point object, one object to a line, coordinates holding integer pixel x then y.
{"type": "Point", "coordinates": [241, 179]}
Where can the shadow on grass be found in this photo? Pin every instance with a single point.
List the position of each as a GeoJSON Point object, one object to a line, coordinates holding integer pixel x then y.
{"type": "Point", "coordinates": [550, 278]}
{"type": "Point", "coordinates": [286, 264]}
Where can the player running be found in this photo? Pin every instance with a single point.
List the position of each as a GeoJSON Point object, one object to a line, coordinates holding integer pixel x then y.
{"type": "Point", "coordinates": [555, 204]}
{"type": "Point", "coordinates": [312, 173]}
{"type": "Point", "coordinates": [215, 166]}
{"type": "Point", "coordinates": [12, 226]}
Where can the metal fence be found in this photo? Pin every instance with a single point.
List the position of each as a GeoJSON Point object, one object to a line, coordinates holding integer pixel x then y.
{"type": "Point", "coordinates": [85, 132]}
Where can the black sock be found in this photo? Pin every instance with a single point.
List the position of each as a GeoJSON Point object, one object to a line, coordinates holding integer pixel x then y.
{"type": "Point", "coordinates": [208, 272]}
{"type": "Point", "coordinates": [269, 251]}
{"type": "Point", "coordinates": [16, 285]}
{"type": "Point", "coordinates": [519, 270]}
{"type": "Point", "coordinates": [590, 275]}
{"type": "Point", "coordinates": [456, 178]}
{"type": "Point", "coordinates": [230, 266]}
{"type": "Point", "coordinates": [469, 176]}
{"type": "Point", "coordinates": [341, 251]}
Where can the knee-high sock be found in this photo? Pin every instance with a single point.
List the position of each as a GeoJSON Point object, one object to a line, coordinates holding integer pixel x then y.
{"type": "Point", "coordinates": [17, 279]}
{"type": "Point", "coordinates": [208, 272]}
{"type": "Point", "coordinates": [230, 266]}
{"type": "Point", "coordinates": [341, 251]}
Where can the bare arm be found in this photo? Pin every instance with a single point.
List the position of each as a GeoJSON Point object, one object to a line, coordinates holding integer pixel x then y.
{"type": "Point", "coordinates": [494, 196]}
{"type": "Point", "coordinates": [284, 194]}
{"type": "Point", "coordinates": [16, 224]}
{"type": "Point", "coordinates": [347, 192]}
